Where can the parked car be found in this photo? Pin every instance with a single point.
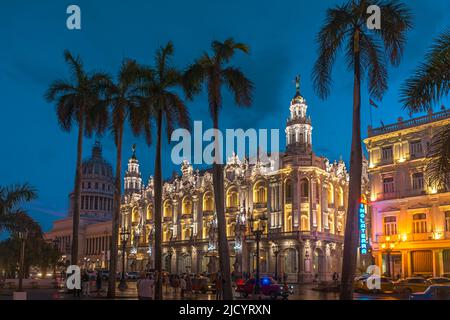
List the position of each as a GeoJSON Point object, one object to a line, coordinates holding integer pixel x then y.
{"type": "Point", "coordinates": [439, 280]}
{"type": "Point", "coordinates": [386, 285]}
{"type": "Point", "coordinates": [434, 292]}
{"type": "Point", "coordinates": [411, 285]}
{"type": "Point", "coordinates": [268, 287]}
{"type": "Point", "coordinates": [92, 275]}
{"type": "Point", "coordinates": [104, 274]}
{"type": "Point", "coordinates": [133, 275]}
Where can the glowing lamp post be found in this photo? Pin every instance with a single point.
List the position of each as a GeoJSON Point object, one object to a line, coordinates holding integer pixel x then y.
{"type": "Point", "coordinates": [124, 236]}
{"type": "Point", "coordinates": [387, 247]}
{"type": "Point", "coordinates": [258, 232]}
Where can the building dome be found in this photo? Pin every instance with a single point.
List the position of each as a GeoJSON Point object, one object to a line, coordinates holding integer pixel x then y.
{"type": "Point", "coordinates": [96, 165]}
{"type": "Point", "coordinates": [97, 187]}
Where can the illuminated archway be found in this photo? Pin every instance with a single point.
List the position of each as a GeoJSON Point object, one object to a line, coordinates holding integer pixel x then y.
{"type": "Point", "coordinates": [260, 192]}
{"type": "Point", "coordinates": [208, 202]}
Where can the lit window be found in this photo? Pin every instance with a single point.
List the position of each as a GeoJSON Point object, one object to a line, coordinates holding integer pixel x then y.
{"type": "Point", "coordinates": [388, 185]}
{"type": "Point", "coordinates": [390, 226]}
{"type": "Point", "coordinates": [387, 154]}
{"type": "Point", "coordinates": [417, 181]}
{"type": "Point", "coordinates": [420, 223]}
{"type": "Point", "coordinates": [447, 221]}
{"type": "Point", "coordinates": [415, 149]}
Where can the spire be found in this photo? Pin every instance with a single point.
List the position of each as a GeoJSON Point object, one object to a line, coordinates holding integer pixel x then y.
{"type": "Point", "coordinates": [97, 150]}
{"type": "Point", "coordinates": [133, 148]}
{"type": "Point", "coordinates": [297, 85]}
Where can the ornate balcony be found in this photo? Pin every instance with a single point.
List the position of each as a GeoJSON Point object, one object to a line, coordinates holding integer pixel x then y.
{"type": "Point", "coordinates": [208, 212]}
{"type": "Point", "coordinates": [232, 209]}
{"type": "Point", "coordinates": [260, 205]}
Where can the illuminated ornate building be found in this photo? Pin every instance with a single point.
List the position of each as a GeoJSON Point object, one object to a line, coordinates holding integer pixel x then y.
{"type": "Point", "coordinates": [305, 201]}
{"type": "Point", "coordinates": [410, 219]}
{"type": "Point", "coordinates": [97, 188]}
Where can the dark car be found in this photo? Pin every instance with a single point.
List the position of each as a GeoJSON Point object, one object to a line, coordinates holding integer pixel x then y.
{"type": "Point", "coordinates": [268, 287]}
{"type": "Point", "coordinates": [104, 274]}
{"type": "Point", "coordinates": [434, 292]}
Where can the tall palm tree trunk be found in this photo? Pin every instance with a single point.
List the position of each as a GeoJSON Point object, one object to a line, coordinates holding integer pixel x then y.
{"type": "Point", "coordinates": [77, 191]}
{"type": "Point", "coordinates": [158, 212]}
{"type": "Point", "coordinates": [218, 180]}
{"type": "Point", "coordinates": [116, 218]}
{"type": "Point", "coordinates": [351, 227]}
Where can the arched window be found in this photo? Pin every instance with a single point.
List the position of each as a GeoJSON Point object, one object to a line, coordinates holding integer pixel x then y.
{"type": "Point", "coordinates": [259, 193]}
{"type": "Point", "coordinates": [187, 206]}
{"type": "Point", "coordinates": [232, 198]}
{"type": "Point", "coordinates": [288, 191]}
{"type": "Point", "coordinates": [341, 197]}
{"type": "Point", "coordinates": [330, 195]}
{"type": "Point", "coordinates": [304, 188]}
{"type": "Point", "coordinates": [149, 212]}
{"type": "Point", "coordinates": [167, 209]}
{"type": "Point", "coordinates": [208, 202]}
{"type": "Point", "coordinates": [135, 215]}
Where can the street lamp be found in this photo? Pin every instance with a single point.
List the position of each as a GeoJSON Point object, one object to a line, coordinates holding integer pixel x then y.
{"type": "Point", "coordinates": [276, 251]}
{"type": "Point", "coordinates": [258, 232]}
{"type": "Point", "coordinates": [124, 236]}
{"type": "Point", "coordinates": [388, 246]}
{"type": "Point", "coordinates": [23, 235]}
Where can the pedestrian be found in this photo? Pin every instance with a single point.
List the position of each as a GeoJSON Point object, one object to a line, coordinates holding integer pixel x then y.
{"type": "Point", "coordinates": [85, 284]}
{"type": "Point", "coordinates": [189, 285]}
{"type": "Point", "coordinates": [175, 284]}
{"type": "Point", "coordinates": [219, 286]}
{"type": "Point", "coordinates": [98, 283]}
{"type": "Point", "coordinates": [165, 280]}
{"type": "Point", "coordinates": [182, 286]}
{"type": "Point", "coordinates": [145, 287]}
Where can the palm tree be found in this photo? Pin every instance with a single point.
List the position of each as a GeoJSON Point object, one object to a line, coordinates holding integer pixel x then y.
{"type": "Point", "coordinates": [430, 83]}
{"type": "Point", "coordinates": [121, 96]}
{"type": "Point", "coordinates": [160, 101]}
{"type": "Point", "coordinates": [366, 52]}
{"type": "Point", "coordinates": [215, 72]}
{"type": "Point", "coordinates": [10, 199]}
{"type": "Point", "coordinates": [79, 101]}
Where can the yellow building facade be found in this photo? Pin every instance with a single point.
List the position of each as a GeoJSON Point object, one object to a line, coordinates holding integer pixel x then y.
{"type": "Point", "coordinates": [410, 219]}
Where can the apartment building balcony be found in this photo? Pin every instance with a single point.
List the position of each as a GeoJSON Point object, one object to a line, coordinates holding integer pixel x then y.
{"type": "Point", "coordinates": [387, 195]}
{"type": "Point", "coordinates": [208, 212]}
{"type": "Point", "coordinates": [167, 219]}
{"type": "Point", "coordinates": [400, 125]}
{"type": "Point", "coordinates": [408, 237]}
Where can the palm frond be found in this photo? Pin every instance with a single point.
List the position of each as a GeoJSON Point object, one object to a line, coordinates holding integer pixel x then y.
{"type": "Point", "coordinates": [76, 66]}
{"type": "Point", "coordinates": [375, 64]}
{"type": "Point", "coordinates": [337, 24]}
{"type": "Point", "coordinates": [239, 85]}
{"type": "Point", "coordinates": [431, 81]}
{"type": "Point", "coordinates": [11, 196]}
{"type": "Point", "coordinates": [396, 20]}
{"type": "Point", "coordinates": [438, 164]}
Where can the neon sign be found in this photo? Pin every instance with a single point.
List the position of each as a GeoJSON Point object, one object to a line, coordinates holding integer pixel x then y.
{"type": "Point", "coordinates": [363, 241]}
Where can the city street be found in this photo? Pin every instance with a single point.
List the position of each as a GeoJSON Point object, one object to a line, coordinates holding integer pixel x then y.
{"type": "Point", "coordinates": [301, 292]}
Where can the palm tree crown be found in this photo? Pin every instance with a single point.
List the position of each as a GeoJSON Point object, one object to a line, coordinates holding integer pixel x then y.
{"type": "Point", "coordinates": [79, 98]}
{"type": "Point", "coordinates": [430, 83]}
{"type": "Point", "coordinates": [345, 28]}
{"type": "Point", "coordinates": [10, 199]}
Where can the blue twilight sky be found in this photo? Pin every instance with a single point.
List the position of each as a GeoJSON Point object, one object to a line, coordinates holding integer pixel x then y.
{"type": "Point", "coordinates": [281, 35]}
